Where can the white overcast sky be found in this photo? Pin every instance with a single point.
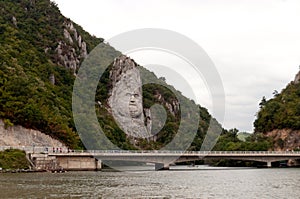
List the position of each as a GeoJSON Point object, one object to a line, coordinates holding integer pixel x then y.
{"type": "Point", "coordinates": [254, 44]}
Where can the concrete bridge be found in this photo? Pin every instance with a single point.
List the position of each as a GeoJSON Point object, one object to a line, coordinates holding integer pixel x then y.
{"type": "Point", "coordinates": [51, 158]}
{"type": "Point", "coordinates": [163, 159]}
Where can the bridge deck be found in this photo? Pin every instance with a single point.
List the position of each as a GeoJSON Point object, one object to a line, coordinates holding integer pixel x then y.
{"type": "Point", "coordinates": [180, 153]}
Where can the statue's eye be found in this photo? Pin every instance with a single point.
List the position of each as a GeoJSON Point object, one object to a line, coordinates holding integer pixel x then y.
{"type": "Point", "coordinates": [136, 95]}
{"type": "Point", "coordinates": [128, 94]}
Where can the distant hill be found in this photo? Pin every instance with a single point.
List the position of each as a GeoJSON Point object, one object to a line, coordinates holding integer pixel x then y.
{"type": "Point", "coordinates": [243, 136]}
{"type": "Point", "coordinates": [279, 117]}
{"type": "Point", "coordinates": [40, 54]}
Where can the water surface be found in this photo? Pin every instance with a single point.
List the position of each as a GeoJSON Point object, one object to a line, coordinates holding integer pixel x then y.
{"type": "Point", "coordinates": [179, 182]}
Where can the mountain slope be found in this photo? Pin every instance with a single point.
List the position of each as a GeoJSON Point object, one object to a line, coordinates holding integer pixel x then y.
{"type": "Point", "coordinates": [36, 76]}
{"type": "Point", "coordinates": [40, 54]}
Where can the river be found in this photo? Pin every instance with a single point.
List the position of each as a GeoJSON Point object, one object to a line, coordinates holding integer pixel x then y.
{"type": "Point", "coordinates": [179, 182]}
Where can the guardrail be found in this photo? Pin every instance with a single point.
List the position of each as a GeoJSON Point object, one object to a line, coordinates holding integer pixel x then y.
{"type": "Point", "coordinates": [191, 152]}
{"type": "Point", "coordinates": [36, 149]}
{"type": "Point", "coordinates": [48, 149]}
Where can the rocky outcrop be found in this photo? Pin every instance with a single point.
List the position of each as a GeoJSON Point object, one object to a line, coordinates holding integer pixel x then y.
{"type": "Point", "coordinates": [285, 139]}
{"type": "Point", "coordinates": [172, 105]}
{"type": "Point", "coordinates": [52, 79]}
{"type": "Point", "coordinates": [18, 136]}
{"type": "Point", "coordinates": [297, 78]}
{"type": "Point", "coordinates": [14, 20]}
{"type": "Point", "coordinates": [72, 50]}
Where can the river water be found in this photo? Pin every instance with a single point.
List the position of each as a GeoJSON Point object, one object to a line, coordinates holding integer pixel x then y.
{"type": "Point", "coordinates": [179, 182]}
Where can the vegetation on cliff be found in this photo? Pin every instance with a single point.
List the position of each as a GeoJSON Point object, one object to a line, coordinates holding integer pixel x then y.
{"type": "Point", "coordinates": [280, 112]}
{"type": "Point", "coordinates": [158, 92]}
{"type": "Point", "coordinates": [30, 32]}
{"type": "Point", "coordinates": [13, 159]}
{"type": "Point", "coordinates": [279, 118]}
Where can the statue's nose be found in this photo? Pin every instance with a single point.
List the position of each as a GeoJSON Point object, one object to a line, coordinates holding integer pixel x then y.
{"type": "Point", "coordinates": [132, 99]}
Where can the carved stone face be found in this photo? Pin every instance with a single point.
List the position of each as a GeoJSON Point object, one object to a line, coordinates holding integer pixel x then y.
{"type": "Point", "coordinates": [126, 97]}
{"type": "Point", "coordinates": [135, 104]}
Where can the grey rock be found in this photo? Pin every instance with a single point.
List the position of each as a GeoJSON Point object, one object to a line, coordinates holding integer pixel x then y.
{"type": "Point", "coordinates": [68, 53]}
{"type": "Point", "coordinates": [14, 20]}
{"type": "Point", "coordinates": [79, 41]}
{"type": "Point", "coordinates": [52, 79]}
{"type": "Point", "coordinates": [297, 78]}
{"type": "Point", "coordinates": [83, 50]}
{"type": "Point", "coordinates": [126, 101]}
{"type": "Point", "coordinates": [68, 36]}
{"type": "Point", "coordinates": [17, 136]}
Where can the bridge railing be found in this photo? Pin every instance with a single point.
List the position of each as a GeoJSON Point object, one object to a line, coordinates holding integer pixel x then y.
{"type": "Point", "coordinates": [36, 149]}
{"type": "Point", "coordinates": [48, 149]}
{"type": "Point", "coordinates": [187, 152]}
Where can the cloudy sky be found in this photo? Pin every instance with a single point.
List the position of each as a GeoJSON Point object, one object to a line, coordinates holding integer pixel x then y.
{"type": "Point", "coordinates": [254, 44]}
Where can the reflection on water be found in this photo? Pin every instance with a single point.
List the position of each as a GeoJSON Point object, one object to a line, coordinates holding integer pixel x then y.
{"type": "Point", "coordinates": [179, 182]}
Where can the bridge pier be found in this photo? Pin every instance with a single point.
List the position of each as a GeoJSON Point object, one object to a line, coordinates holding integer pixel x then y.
{"type": "Point", "coordinates": [98, 164]}
{"type": "Point", "coordinates": [269, 164]}
{"type": "Point", "coordinates": [162, 166]}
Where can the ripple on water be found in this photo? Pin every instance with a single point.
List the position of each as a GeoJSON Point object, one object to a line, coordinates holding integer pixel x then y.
{"type": "Point", "coordinates": [179, 183]}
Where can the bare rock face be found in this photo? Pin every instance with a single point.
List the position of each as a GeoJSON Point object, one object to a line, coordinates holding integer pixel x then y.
{"type": "Point", "coordinates": [172, 106]}
{"type": "Point", "coordinates": [68, 36]}
{"type": "Point", "coordinates": [297, 78]}
{"type": "Point", "coordinates": [67, 55]}
{"type": "Point", "coordinates": [285, 139]}
{"type": "Point", "coordinates": [18, 136]}
{"type": "Point", "coordinates": [126, 101]}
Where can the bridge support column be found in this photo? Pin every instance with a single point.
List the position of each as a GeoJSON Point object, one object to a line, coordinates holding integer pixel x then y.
{"type": "Point", "coordinates": [98, 164]}
{"type": "Point", "coordinates": [161, 166]}
{"type": "Point", "coordinates": [269, 164]}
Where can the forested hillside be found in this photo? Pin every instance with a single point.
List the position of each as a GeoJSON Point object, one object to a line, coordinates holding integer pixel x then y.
{"type": "Point", "coordinates": [35, 88]}
{"type": "Point", "coordinates": [40, 54]}
{"type": "Point", "coordinates": [282, 111]}
{"type": "Point", "coordinates": [279, 117]}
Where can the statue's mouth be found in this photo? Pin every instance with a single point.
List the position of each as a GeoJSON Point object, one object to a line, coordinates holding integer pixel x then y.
{"type": "Point", "coordinates": [132, 104]}
{"type": "Point", "coordinates": [133, 108]}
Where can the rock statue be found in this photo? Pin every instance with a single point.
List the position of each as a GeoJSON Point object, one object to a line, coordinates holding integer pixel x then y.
{"type": "Point", "coordinates": [126, 100]}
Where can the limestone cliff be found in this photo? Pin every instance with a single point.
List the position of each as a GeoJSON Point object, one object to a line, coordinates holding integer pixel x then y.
{"type": "Point", "coordinates": [297, 78]}
{"type": "Point", "coordinates": [285, 139]}
{"type": "Point", "coordinates": [18, 136]}
{"type": "Point", "coordinates": [72, 49]}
